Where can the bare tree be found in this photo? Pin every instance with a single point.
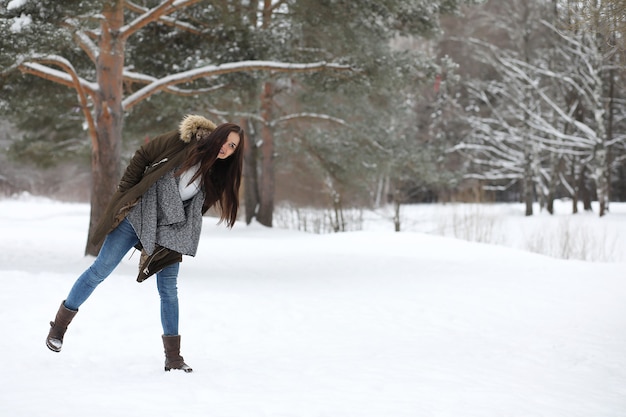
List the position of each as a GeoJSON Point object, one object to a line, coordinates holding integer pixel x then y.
{"type": "Point", "coordinates": [543, 113]}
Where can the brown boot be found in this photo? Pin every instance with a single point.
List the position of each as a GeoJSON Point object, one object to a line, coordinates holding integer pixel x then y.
{"type": "Point", "coordinates": [173, 360]}
{"type": "Point", "coordinates": [58, 327]}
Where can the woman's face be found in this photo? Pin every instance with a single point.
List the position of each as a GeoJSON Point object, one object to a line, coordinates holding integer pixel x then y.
{"type": "Point", "coordinates": [232, 141]}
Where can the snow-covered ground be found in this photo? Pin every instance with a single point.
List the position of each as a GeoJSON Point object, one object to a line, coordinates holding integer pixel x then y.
{"type": "Point", "coordinates": [583, 236]}
{"type": "Point", "coordinates": [280, 323]}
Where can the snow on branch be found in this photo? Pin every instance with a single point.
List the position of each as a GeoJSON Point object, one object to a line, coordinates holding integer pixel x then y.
{"type": "Point", "coordinates": [83, 39]}
{"type": "Point", "coordinates": [144, 19]}
{"type": "Point", "coordinates": [87, 45]}
{"type": "Point", "coordinates": [154, 14]}
{"type": "Point", "coordinates": [305, 115]}
{"type": "Point", "coordinates": [214, 70]}
{"type": "Point", "coordinates": [225, 116]}
{"type": "Point", "coordinates": [69, 78]}
{"type": "Point", "coordinates": [276, 5]}
{"type": "Point", "coordinates": [564, 116]}
{"type": "Point", "coordinates": [130, 76]}
{"type": "Point", "coordinates": [169, 21]}
{"type": "Point", "coordinates": [287, 118]}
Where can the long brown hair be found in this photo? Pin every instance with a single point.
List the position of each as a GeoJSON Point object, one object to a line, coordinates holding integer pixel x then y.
{"type": "Point", "coordinates": [221, 178]}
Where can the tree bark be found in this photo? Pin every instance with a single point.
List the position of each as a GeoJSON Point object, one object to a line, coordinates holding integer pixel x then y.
{"type": "Point", "coordinates": [585, 193]}
{"type": "Point", "coordinates": [606, 181]}
{"type": "Point", "coordinates": [267, 185]}
{"type": "Point", "coordinates": [557, 166]}
{"type": "Point", "coordinates": [250, 176]}
{"type": "Point", "coordinates": [528, 183]}
{"type": "Point", "coordinates": [602, 180]}
{"type": "Point", "coordinates": [106, 154]}
{"type": "Point", "coordinates": [575, 185]}
{"type": "Point", "coordinates": [396, 211]}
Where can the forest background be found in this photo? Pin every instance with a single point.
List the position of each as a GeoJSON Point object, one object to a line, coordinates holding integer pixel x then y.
{"type": "Point", "coordinates": [347, 104]}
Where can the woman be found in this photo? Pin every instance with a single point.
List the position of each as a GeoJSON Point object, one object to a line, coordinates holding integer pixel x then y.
{"type": "Point", "coordinates": [169, 184]}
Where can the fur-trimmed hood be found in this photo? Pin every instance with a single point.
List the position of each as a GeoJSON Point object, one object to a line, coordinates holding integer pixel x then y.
{"type": "Point", "coordinates": [191, 123]}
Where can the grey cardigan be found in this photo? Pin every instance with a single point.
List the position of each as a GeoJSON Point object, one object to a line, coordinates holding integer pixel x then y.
{"type": "Point", "coordinates": [162, 218]}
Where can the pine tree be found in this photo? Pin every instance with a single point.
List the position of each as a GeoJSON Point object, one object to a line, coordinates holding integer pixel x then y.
{"type": "Point", "coordinates": [108, 76]}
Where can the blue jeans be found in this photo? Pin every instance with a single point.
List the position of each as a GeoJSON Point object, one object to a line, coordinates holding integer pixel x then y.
{"type": "Point", "coordinates": [115, 246]}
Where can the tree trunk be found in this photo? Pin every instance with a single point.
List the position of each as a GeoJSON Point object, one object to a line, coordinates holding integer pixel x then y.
{"type": "Point", "coordinates": [601, 173]}
{"type": "Point", "coordinates": [604, 202]}
{"type": "Point", "coordinates": [553, 183]}
{"type": "Point", "coordinates": [528, 184]}
{"type": "Point", "coordinates": [585, 193]}
{"type": "Point", "coordinates": [339, 223]}
{"type": "Point", "coordinates": [267, 186]}
{"type": "Point", "coordinates": [396, 214]}
{"type": "Point", "coordinates": [602, 180]}
{"type": "Point", "coordinates": [105, 156]}
{"type": "Point", "coordinates": [575, 186]}
{"type": "Point", "coordinates": [250, 176]}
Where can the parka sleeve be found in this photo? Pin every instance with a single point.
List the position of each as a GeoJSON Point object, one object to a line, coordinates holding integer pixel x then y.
{"type": "Point", "coordinates": [143, 158]}
{"type": "Point", "coordinates": [135, 169]}
{"type": "Point", "coordinates": [149, 155]}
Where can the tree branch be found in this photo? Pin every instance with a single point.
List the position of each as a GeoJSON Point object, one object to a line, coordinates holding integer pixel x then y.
{"type": "Point", "coordinates": [164, 19]}
{"type": "Point", "coordinates": [83, 39]}
{"type": "Point", "coordinates": [316, 116]}
{"type": "Point", "coordinates": [87, 45]}
{"type": "Point", "coordinates": [215, 70]}
{"type": "Point", "coordinates": [134, 77]}
{"type": "Point", "coordinates": [154, 14]}
{"type": "Point", "coordinates": [68, 78]}
{"type": "Point", "coordinates": [276, 5]}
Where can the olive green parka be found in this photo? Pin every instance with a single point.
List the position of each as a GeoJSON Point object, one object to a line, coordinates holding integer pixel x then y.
{"type": "Point", "coordinates": [150, 162]}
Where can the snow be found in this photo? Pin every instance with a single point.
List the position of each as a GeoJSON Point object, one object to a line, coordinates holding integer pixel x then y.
{"type": "Point", "coordinates": [283, 323]}
{"type": "Point", "coordinates": [583, 236]}
{"type": "Point", "coordinates": [20, 23]}
{"type": "Point", "coordinates": [16, 4]}
{"type": "Point", "coordinates": [61, 76]}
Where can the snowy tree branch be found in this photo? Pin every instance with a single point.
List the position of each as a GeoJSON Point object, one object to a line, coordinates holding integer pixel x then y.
{"type": "Point", "coordinates": [83, 40]}
{"type": "Point", "coordinates": [87, 45]}
{"type": "Point", "coordinates": [69, 78]}
{"type": "Point", "coordinates": [154, 14]}
{"type": "Point", "coordinates": [169, 21]}
{"type": "Point", "coordinates": [214, 70]}
{"type": "Point", "coordinates": [276, 5]}
{"type": "Point", "coordinates": [299, 116]}
{"type": "Point", "coordinates": [134, 77]}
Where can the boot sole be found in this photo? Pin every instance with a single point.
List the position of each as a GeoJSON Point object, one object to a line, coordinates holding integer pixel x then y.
{"type": "Point", "coordinates": [187, 370]}
{"type": "Point", "coordinates": [52, 348]}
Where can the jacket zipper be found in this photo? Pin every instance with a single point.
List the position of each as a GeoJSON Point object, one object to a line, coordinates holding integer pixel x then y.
{"type": "Point", "coordinates": [146, 269]}
{"type": "Point", "coordinates": [158, 163]}
{"type": "Point", "coordinates": [149, 167]}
